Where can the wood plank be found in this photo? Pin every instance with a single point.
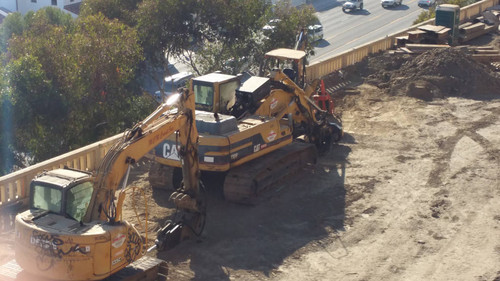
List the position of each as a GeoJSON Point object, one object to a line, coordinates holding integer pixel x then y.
{"type": "Point", "coordinates": [474, 27]}
{"type": "Point", "coordinates": [486, 57]}
{"type": "Point", "coordinates": [432, 28]}
{"type": "Point", "coordinates": [426, 46]}
{"type": "Point", "coordinates": [406, 50]}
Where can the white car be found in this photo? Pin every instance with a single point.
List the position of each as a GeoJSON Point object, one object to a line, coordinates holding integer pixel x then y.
{"type": "Point", "coordinates": [269, 28]}
{"type": "Point", "coordinates": [171, 84]}
{"type": "Point", "coordinates": [352, 5]}
{"type": "Point", "coordinates": [391, 3]}
{"type": "Point", "coordinates": [315, 32]}
{"type": "Point", "coordinates": [177, 80]}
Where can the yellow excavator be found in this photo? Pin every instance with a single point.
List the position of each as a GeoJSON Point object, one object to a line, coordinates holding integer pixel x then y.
{"type": "Point", "coordinates": [254, 132]}
{"type": "Point", "coordinates": [74, 230]}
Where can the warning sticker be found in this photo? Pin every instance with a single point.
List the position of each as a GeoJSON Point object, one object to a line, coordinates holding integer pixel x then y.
{"type": "Point", "coordinates": [274, 103]}
{"type": "Point", "coordinates": [118, 241]}
{"type": "Point", "coordinates": [271, 136]}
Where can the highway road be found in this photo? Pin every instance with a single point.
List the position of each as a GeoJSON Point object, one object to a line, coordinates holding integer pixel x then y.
{"type": "Point", "coordinates": [344, 31]}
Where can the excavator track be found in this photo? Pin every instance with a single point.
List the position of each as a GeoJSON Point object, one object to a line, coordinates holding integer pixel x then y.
{"type": "Point", "coordinates": [164, 177]}
{"type": "Point", "coordinates": [144, 269]}
{"type": "Point", "coordinates": [244, 184]}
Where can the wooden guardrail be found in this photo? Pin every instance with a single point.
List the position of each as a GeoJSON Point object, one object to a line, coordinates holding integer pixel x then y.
{"type": "Point", "coordinates": [14, 187]}
{"type": "Point", "coordinates": [320, 69]}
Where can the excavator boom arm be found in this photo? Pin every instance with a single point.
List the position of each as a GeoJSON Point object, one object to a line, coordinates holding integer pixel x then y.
{"type": "Point", "coordinates": [136, 143]}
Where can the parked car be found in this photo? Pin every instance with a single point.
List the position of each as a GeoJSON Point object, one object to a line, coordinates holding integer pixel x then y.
{"type": "Point", "coordinates": [270, 26]}
{"type": "Point", "coordinates": [158, 97]}
{"type": "Point", "coordinates": [315, 32]}
{"type": "Point", "coordinates": [352, 5]}
{"type": "Point", "coordinates": [391, 3]}
{"type": "Point", "coordinates": [177, 80]}
{"type": "Point", "coordinates": [171, 84]}
{"type": "Point", "coordinates": [426, 3]}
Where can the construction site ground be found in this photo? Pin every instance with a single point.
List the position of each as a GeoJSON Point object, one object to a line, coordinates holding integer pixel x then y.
{"type": "Point", "coordinates": [412, 192]}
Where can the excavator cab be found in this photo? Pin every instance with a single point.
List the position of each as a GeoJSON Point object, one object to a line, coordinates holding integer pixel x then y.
{"type": "Point", "coordinates": [215, 92]}
{"type": "Point", "coordinates": [70, 200]}
{"type": "Point", "coordinates": [290, 62]}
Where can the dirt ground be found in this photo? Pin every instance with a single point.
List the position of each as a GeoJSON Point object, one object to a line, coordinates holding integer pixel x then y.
{"type": "Point", "coordinates": [412, 192]}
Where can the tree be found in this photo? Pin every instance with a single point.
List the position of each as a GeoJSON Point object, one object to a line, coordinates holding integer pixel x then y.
{"type": "Point", "coordinates": [13, 24]}
{"type": "Point", "coordinates": [426, 15]}
{"type": "Point", "coordinates": [8, 159]}
{"type": "Point", "coordinates": [37, 110]}
{"type": "Point", "coordinates": [107, 53]}
{"type": "Point", "coordinates": [236, 35]}
{"type": "Point", "coordinates": [73, 84]}
{"type": "Point", "coordinates": [166, 29]}
{"type": "Point", "coordinates": [122, 10]}
{"type": "Point", "coordinates": [236, 54]}
{"type": "Point", "coordinates": [291, 21]}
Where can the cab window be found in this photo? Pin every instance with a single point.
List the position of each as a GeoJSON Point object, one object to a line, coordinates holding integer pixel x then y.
{"type": "Point", "coordinates": [78, 199]}
{"type": "Point", "coordinates": [228, 95]}
{"type": "Point", "coordinates": [204, 96]}
{"type": "Point", "coordinates": [47, 198]}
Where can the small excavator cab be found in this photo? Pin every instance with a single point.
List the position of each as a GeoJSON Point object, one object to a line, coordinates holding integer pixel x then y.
{"type": "Point", "coordinates": [63, 191]}
{"type": "Point", "coordinates": [290, 62]}
{"type": "Point", "coordinates": [215, 92]}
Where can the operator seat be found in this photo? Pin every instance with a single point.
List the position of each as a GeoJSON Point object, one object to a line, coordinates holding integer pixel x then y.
{"type": "Point", "coordinates": [290, 73]}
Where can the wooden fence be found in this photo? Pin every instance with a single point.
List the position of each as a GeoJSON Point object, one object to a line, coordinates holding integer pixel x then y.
{"type": "Point", "coordinates": [14, 187]}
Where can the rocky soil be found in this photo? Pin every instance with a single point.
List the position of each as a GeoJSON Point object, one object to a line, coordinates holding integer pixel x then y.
{"type": "Point", "coordinates": [412, 192]}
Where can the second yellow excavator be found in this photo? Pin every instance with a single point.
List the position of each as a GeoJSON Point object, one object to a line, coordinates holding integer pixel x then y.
{"type": "Point", "coordinates": [253, 132]}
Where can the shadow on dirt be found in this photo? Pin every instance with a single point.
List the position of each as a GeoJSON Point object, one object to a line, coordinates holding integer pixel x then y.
{"type": "Point", "coordinates": [306, 208]}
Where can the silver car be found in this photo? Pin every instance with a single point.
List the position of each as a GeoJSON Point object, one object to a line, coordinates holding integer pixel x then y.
{"type": "Point", "coordinates": [426, 3]}
{"type": "Point", "coordinates": [352, 5]}
{"type": "Point", "coordinates": [391, 3]}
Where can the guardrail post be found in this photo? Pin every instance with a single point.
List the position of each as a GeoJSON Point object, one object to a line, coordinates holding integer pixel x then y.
{"type": "Point", "coordinates": [3, 194]}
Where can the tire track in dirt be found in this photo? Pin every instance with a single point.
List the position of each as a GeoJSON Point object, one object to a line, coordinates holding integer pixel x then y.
{"type": "Point", "coordinates": [448, 144]}
{"type": "Point", "coordinates": [462, 234]}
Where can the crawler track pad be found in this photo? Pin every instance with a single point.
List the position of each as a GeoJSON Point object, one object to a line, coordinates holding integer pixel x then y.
{"type": "Point", "coordinates": [245, 183]}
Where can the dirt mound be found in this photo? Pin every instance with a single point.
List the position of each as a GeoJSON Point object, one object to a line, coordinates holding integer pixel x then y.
{"type": "Point", "coordinates": [437, 73]}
